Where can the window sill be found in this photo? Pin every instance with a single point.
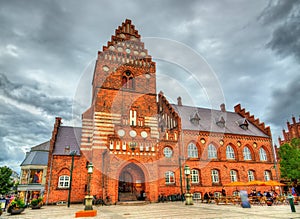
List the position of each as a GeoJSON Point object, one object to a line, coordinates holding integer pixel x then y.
{"type": "Point", "coordinates": [170, 184]}
{"type": "Point", "coordinates": [59, 188]}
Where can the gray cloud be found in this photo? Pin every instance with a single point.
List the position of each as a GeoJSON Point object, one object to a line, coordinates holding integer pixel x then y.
{"type": "Point", "coordinates": [45, 47]}
{"type": "Point", "coordinates": [285, 103]}
{"type": "Point", "coordinates": [285, 18]}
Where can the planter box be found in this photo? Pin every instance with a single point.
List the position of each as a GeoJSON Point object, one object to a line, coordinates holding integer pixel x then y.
{"type": "Point", "coordinates": [16, 211]}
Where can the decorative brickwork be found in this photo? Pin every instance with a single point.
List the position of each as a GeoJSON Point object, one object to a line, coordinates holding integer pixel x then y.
{"type": "Point", "coordinates": [293, 131]}
{"type": "Point", "coordinates": [139, 143]}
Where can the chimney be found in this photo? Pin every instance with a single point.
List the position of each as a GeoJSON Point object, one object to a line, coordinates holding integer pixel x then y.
{"type": "Point", "coordinates": [222, 106]}
{"type": "Point", "coordinates": [179, 101]}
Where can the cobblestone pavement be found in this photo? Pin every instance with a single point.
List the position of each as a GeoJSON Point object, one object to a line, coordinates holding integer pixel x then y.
{"type": "Point", "coordinates": [162, 210]}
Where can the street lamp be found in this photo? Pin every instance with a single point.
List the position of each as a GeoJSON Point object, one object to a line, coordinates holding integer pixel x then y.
{"type": "Point", "coordinates": [88, 197]}
{"type": "Point", "coordinates": [188, 196]}
{"type": "Point", "coordinates": [73, 153]}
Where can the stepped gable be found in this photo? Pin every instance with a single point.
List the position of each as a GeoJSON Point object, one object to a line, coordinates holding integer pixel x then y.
{"type": "Point", "coordinates": [126, 43]}
{"type": "Point", "coordinates": [260, 125]}
{"type": "Point", "coordinates": [163, 102]}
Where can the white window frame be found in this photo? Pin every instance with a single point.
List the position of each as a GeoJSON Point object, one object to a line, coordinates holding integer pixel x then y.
{"type": "Point", "coordinates": [263, 154]}
{"type": "Point", "coordinates": [170, 177]}
{"type": "Point", "coordinates": [251, 176]}
{"type": "Point", "coordinates": [215, 176]}
{"type": "Point", "coordinates": [194, 176]}
{"type": "Point", "coordinates": [192, 150]}
{"type": "Point", "coordinates": [212, 151]}
{"type": "Point", "coordinates": [230, 152]}
{"type": "Point", "coordinates": [168, 152]}
{"type": "Point", "coordinates": [64, 181]}
{"type": "Point", "coordinates": [247, 153]}
{"type": "Point", "coordinates": [267, 175]}
{"type": "Point", "coordinates": [233, 176]}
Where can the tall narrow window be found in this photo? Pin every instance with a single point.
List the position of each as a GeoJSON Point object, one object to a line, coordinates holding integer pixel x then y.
{"type": "Point", "coordinates": [215, 176]}
{"type": "Point", "coordinates": [262, 154]}
{"type": "Point", "coordinates": [128, 80]}
{"type": "Point", "coordinates": [192, 151]}
{"type": "Point", "coordinates": [212, 152]}
{"type": "Point", "coordinates": [132, 117]}
{"type": "Point", "coordinates": [247, 153]}
{"type": "Point", "coordinates": [267, 175]}
{"type": "Point", "coordinates": [250, 175]}
{"type": "Point", "coordinates": [233, 176]}
{"type": "Point", "coordinates": [169, 177]}
{"type": "Point", "coordinates": [195, 176]}
{"type": "Point", "coordinates": [230, 152]}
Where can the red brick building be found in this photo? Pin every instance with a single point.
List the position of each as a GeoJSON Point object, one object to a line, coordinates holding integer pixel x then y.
{"type": "Point", "coordinates": [293, 131]}
{"type": "Point", "coordinates": [139, 142]}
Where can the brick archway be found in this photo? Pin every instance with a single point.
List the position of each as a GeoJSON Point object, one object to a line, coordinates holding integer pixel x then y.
{"type": "Point", "coordinates": [131, 184]}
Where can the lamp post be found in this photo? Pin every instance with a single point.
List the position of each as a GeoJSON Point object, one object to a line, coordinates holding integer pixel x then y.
{"type": "Point", "coordinates": [188, 196]}
{"type": "Point", "coordinates": [73, 153]}
{"type": "Point", "coordinates": [89, 197]}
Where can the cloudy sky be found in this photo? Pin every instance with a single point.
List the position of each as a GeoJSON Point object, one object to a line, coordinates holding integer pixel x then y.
{"type": "Point", "coordinates": [48, 47]}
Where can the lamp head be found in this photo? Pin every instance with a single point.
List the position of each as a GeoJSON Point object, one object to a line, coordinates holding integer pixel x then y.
{"type": "Point", "coordinates": [90, 168]}
{"type": "Point", "coordinates": [187, 170]}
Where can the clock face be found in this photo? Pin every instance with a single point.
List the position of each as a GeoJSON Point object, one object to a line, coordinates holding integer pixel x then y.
{"type": "Point", "coordinates": [132, 133]}
{"type": "Point", "coordinates": [144, 134]}
{"type": "Point", "coordinates": [127, 50]}
{"type": "Point", "coordinates": [147, 75]}
{"type": "Point", "coordinates": [121, 132]}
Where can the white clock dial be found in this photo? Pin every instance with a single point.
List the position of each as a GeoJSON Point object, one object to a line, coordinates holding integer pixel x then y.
{"type": "Point", "coordinates": [121, 132]}
{"type": "Point", "coordinates": [144, 134]}
{"type": "Point", "coordinates": [132, 133]}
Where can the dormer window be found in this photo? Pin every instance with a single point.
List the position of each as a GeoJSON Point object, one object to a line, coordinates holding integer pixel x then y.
{"type": "Point", "coordinates": [195, 118]}
{"type": "Point", "coordinates": [243, 123]}
{"type": "Point", "coordinates": [221, 122]}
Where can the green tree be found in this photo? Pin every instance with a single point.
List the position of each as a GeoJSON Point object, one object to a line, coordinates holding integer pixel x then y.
{"type": "Point", "coordinates": [289, 154]}
{"type": "Point", "coordinates": [5, 181]}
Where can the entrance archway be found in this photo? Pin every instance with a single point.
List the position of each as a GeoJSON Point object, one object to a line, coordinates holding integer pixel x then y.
{"type": "Point", "coordinates": [131, 186]}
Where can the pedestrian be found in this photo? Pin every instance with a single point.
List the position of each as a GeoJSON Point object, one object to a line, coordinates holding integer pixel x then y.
{"type": "Point", "coordinates": [223, 192]}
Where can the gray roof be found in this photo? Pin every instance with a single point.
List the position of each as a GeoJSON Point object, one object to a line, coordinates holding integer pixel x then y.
{"type": "Point", "coordinates": [36, 158]}
{"type": "Point", "coordinates": [68, 139]}
{"type": "Point", "coordinates": [209, 117]}
{"type": "Point", "coordinates": [42, 147]}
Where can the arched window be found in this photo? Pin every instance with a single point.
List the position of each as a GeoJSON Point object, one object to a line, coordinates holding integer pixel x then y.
{"type": "Point", "coordinates": [168, 152]}
{"type": "Point", "coordinates": [230, 152]}
{"type": "Point", "coordinates": [262, 154]}
{"type": "Point", "coordinates": [212, 151]}
{"type": "Point", "coordinates": [128, 80]}
{"type": "Point", "coordinates": [267, 175]}
{"type": "Point", "coordinates": [233, 176]}
{"type": "Point", "coordinates": [215, 176]}
{"type": "Point", "coordinates": [169, 177]}
{"type": "Point", "coordinates": [247, 153]}
{"type": "Point", "coordinates": [251, 175]}
{"type": "Point", "coordinates": [64, 181]}
{"type": "Point", "coordinates": [195, 176]}
{"type": "Point", "coordinates": [192, 151]}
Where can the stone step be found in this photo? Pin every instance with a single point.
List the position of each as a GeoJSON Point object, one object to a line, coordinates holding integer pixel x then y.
{"type": "Point", "coordinates": [132, 203]}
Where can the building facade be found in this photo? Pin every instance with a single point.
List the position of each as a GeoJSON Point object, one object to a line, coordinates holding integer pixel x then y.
{"type": "Point", "coordinates": [139, 143]}
{"type": "Point", "coordinates": [292, 132]}
{"type": "Point", "coordinates": [33, 172]}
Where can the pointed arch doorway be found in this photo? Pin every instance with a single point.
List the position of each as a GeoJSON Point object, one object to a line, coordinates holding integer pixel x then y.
{"type": "Point", "coordinates": [131, 183]}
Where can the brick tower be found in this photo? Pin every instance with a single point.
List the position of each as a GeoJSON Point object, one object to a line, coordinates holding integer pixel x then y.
{"type": "Point", "coordinates": [119, 130]}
